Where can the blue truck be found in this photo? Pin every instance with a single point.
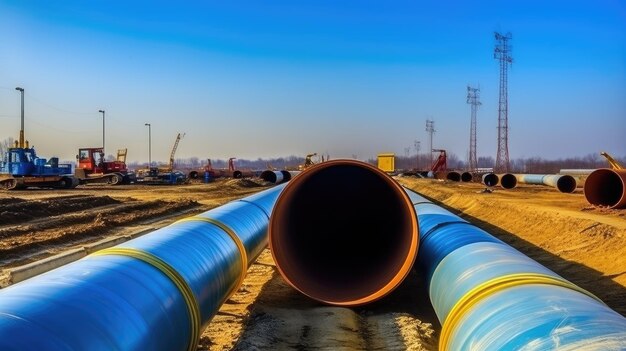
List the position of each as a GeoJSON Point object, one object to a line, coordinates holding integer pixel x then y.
{"type": "Point", "coordinates": [21, 168]}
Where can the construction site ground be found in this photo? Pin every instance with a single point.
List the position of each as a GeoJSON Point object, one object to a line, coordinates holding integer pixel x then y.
{"type": "Point", "coordinates": [584, 244]}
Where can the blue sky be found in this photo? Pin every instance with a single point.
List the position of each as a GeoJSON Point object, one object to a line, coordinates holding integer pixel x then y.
{"type": "Point", "coordinates": [253, 79]}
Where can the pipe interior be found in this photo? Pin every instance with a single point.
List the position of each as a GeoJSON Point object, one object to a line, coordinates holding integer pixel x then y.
{"type": "Point", "coordinates": [466, 177]}
{"type": "Point", "coordinates": [237, 174]}
{"type": "Point", "coordinates": [342, 233]}
{"type": "Point", "coordinates": [604, 187]}
{"type": "Point", "coordinates": [490, 179]}
{"type": "Point", "coordinates": [454, 176]}
{"type": "Point", "coordinates": [508, 181]}
{"type": "Point", "coordinates": [286, 175]}
{"type": "Point", "coordinates": [566, 184]}
{"type": "Point", "coordinates": [268, 176]}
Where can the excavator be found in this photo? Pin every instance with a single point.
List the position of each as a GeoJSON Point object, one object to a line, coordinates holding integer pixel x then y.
{"type": "Point", "coordinates": [308, 161]}
{"type": "Point", "coordinates": [163, 175]}
{"type": "Point", "coordinates": [612, 162]}
{"type": "Point", "coordinates": [92, 167]}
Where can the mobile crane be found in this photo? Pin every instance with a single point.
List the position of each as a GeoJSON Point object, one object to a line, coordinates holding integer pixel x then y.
{"type": "Point", "coordinates": [614, 164]}
{"type": "Point", "coordinates": [163, 175]}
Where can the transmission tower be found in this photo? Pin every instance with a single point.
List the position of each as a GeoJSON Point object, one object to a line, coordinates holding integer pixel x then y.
{"type": "Point", "coordinates": [430, 128]}
{"type": "Point", "coordinates": [473, 96]}
{"type": "Point", "coordinates": [418, 146]}
{"type": "Point", "coordinates": [502, 52]}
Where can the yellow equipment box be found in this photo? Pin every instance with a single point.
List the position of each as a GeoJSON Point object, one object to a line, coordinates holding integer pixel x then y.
{"type": "Point", "coordinates": [386, 162]}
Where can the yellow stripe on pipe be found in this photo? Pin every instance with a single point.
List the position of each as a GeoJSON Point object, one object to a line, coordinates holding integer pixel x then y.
{"type": "Point", "coordinates": [175, 277]}
{"type": "Point", "coordinates": [236, 239]}
{"type": "Point", "coordinates": [480, 292]}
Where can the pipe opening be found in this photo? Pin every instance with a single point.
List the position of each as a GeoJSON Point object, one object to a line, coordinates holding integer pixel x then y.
{"type": "Point", "coordinates": [605, 187]}
{"type": "Point", "coordinates": [237, 174]}
{"type": "Point", "coordinates": [466, 177]}
{"type": "Point", "coordinates": [268, 176]}
{"type": "Point", "coordinates": [566, 184]}
{"type": "Point", "coordinates": [343, 233]}
{"type": "Point", "coordinates": [286, 175]}
{"type": "Point", "coordinates": [453, 176]}
{"type": "Point", "coordinates": [490, 179]}
{"type": "Point", "coordinates": [508, 181]}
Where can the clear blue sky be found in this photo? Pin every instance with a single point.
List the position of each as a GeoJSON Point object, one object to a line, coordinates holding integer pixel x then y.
{"type": "Point", "coordinates": [269, 78]}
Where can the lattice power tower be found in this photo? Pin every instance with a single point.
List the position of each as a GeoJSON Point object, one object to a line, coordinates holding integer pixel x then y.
{"type": "Point", "coordinates": [502, 52]}
{"type": "Point", "coordinates": [473, 98]}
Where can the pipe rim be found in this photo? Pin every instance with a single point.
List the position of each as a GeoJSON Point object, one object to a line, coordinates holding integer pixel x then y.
{"type": "Point", "coordinates": [601, 181]}
{"type": "Point", "coordinates": [508, 181]}
{"type": "Point", "coordinates": [408, 261]}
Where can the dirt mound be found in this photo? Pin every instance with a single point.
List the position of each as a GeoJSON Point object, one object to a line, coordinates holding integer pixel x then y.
{"type": "Point", "coordinates": [246, 183]}
{"type": "Point", "coordinates": [20, 210]}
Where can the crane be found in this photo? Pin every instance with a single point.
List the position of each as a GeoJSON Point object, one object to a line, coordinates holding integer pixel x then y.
{"type": "Point", "coordinates": [614, 164]}
{"type": "Point", "coordinates": [170, 166]}
{"type": "Point", "coordinates": [441, 164]}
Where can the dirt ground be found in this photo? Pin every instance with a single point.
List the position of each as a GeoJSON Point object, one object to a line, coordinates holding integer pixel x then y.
{"type": "Point", "coordinates": [584, 244]}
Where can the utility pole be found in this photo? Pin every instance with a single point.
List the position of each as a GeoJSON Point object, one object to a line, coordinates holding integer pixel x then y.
{"type": "Point", "coordinates": [21, 90]}
{"type": "Point", "coordinates": [502, 52]}
{"type": "Point", "coordinates": [473, 95]}
{"type": "Point", "coordinates": [430, 128]}
{"type": "Point", "coordinates": [417, 145]}
{"type": "Point", "coordinates": [103, 151]}
{"type": "Point", "coordinates": [149, 144]}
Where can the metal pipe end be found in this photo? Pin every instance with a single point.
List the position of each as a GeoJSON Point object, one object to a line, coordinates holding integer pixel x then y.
{"type": "Point", "coordinates": [466, 177]}
{"type": "Point", "coordinates": [490, 179]}
{"type": "Point", "coordinates": [508, 181]}
{"type": "Point", "coordinates": [453, 176]}
{"type": "Point", "coordinates": [566, 184]}
{"type": "Point", "coordinates": [343, 233]}
{"type": "Point", "coordinates": [286, 175]}
{"type": "Point", "coordinates": [606, 187]}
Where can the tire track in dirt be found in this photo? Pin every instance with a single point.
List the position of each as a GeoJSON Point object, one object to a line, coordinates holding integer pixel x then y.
{"type": "Point", "coordinates": [16, 210]}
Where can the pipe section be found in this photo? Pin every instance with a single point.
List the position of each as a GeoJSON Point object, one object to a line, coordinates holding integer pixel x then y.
{"type": "Point", "coordinates": [453, 176]}
{"type": "Point", "coordinates": [156, 292]}
{"type": "Point", "coordinates": [466, 177]}
{"type": "Point", "coordinates": [489, 296]}
{"type": "Point", "coordinates": [508, 180]}
{"type": "Point", "coordinates": [606, 187]}
{"type": "Point", "coordinates": [563, 182]}
{"type": "Point", "coordinates": [344, 233]}
{"type": "Point", "coordinates": [490, 179]}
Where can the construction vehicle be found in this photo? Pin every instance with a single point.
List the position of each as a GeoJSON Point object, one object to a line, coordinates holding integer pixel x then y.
{"type": "Point", "coordinates": [92, 167]}
{"type": "Point", "coordinates": [163, 175]}
{"type": "Point", "coordinates": [612, 162]}
{"type": "Point", "coordinates": [21, 167]}
{"type": "Point", "coordinates": [441, 163]}
{"type": "Point", "coordinates": [308, 162]}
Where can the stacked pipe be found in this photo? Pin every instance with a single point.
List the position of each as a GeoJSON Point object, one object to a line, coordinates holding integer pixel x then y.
{"type": "Point", "coordinates": [343, 232]}
{"type": "Point", "coordinates": [489, 296]}
{"type": "Point", "coordinates": [156, 292]}
{"type": "Point", "coordinates": [490, 179]}
{"type": "Point", "coordinates": [606, 187]}
{"type": "Point", "coordinates": [275, 177]}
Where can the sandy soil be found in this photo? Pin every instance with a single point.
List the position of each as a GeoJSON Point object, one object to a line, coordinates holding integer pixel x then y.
{"type": "Point", "coordinates": [585, 244]}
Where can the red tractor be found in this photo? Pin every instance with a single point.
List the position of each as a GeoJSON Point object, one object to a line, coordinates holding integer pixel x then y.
{"type": "Point", "coordinates": [92, 167]}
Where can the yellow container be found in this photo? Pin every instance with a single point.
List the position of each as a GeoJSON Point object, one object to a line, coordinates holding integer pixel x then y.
{"type": "Point", "coordinates": [386, 162]}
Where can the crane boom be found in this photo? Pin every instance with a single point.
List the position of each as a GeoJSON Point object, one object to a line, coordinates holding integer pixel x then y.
{"type": "Point", "coordinates": [614, 164]}
{"type": "Point", "coordinates": [171, 164]}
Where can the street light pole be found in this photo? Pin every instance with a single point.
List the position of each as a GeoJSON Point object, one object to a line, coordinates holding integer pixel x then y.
{"type": "Point", "coordinates": [149, 144]}
{"type": "Point", "coordinates": [102, 111]}
{"type": "Point", "coordinates": [21, 90]}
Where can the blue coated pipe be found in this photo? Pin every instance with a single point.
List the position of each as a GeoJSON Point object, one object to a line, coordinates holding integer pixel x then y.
{"type": "Point", "coordinates": [156, 292]}
{"type": "Point", "coordinates": [563, 182]}
{"type": "Point", "coordinates": [489, 296]}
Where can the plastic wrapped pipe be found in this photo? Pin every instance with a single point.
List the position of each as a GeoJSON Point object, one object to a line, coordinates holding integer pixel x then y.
{"type": "Point", "coordinates": [489, 296]}
{"type": "Point", "coordinates": [490, 179]}
{"type": "Point", "coordinates": [344, 233]}
{"type": "Point", "coordinates": [563, 182]}
{"type": "Point", "coordinates": [156, 292]}
{"type": "Point", "coordinates": [606, 187]}
{"type": "Point", "coordinates": [507, 180]}
{"type": "Point", "coordinates": [466, 177]}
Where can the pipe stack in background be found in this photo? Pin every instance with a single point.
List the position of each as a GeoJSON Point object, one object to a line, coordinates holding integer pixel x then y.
{"type": "Point", "coordinates": [562, 182]}
{"type": "Point", "coordinates": [156, 292]}
{"type": "Point", "coordinates": [489, 296]}
{"type": "Point", "coordinates": [343, 232]}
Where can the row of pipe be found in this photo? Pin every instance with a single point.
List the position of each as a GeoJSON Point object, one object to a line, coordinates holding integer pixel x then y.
{"type": "Point", "coordinates": [344, 233]}
{"type": "Point", "coordinates": [278, 177]}
{"type": "Point", "coordinates": [156, 292]}
{"type": "Point", "coordinates": [489, 296]}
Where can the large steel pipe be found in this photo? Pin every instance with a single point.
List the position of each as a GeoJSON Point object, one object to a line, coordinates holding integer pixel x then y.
{"type": "Point", "coordinates": [343, 233]}
{"type": "Point", "coordinates": [490, 179]}
{"type": "Point", "coordinates": [466, 177]}
{"type": "Point", "coordinates": [489, 296]}
{"type": "Point", "coordinates": [156, 292]}
{"type": "Point", "coordinates": [563, 182]}
{"type": "Point", "coordinates": [606, 187]}
{"type": "Point", "coordinates": [453, 176]}
{"type": "Point", "coordinates": [508, 180]}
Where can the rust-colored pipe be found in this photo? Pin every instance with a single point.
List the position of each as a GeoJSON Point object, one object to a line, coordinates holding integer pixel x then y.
{"type": "Point", "coordinates": [343, 233]}
{"type": "Point", "coordinates": [606, 187]}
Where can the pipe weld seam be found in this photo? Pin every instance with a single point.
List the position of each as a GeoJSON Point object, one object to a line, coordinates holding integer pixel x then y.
{"type": "Point", "coordinates": [490, 287]}
{"type": "Point", "coordinates": [231, 233]}
{"type": "Point", "coordinates": [439, 226]}
{"type": "Point", "coordinates": [188, 295]}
